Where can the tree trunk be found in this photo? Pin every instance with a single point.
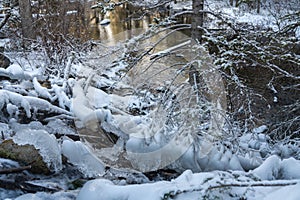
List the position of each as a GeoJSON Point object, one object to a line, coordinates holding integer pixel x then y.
{"type": "Point", "coordinates": [26, 19]}
{"type": "Point", "coordinates": [196, 34]}
{"type": "Point", "coordinates": [197, 20]}
{"type": "Point", "coordinates": [231, 2]}
{"type": "Point", "coordinates": [258, 6]}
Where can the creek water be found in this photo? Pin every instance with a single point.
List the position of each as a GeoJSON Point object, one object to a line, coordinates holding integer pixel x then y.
{"type": "Point", "coordinates": [79, 20]}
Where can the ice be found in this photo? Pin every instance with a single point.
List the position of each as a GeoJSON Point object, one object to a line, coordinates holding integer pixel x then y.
{"type": "Point", "coordinates": [59, 127]}
{"type": "Point", "coordinates": [5, 131]}
{"type": "Point", "coordinates": [85, 108]}
{"type": "Point", "coordinates": [298, 32]}
{"type": "Point", "coordinates": [8, 163]}
{"type": "Point", "coordinates": [79, 155]}
{"type": "Point", "coordinates": [98, 98]}
{"type": "Point", "coordinates": [34, 125]}
{"type": "Point", "coordinates": [105, 189]}
{"type": "Point", "coordinates": [47, 196]}
{"type": "Point", "coordinates": [80, 106]}
{"type": "Point", "coordinates": [45, 143]}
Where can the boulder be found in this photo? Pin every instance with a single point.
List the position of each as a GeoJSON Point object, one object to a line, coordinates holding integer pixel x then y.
{"type": "Point", "coordinates": [24, 154]}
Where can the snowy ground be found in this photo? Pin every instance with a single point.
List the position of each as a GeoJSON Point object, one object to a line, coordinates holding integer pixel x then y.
{"type": "Point", "coordinates": [258, 170]}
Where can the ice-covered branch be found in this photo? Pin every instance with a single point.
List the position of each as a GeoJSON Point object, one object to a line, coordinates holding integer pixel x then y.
{"type": "Point", "coordinates": [29, 104]}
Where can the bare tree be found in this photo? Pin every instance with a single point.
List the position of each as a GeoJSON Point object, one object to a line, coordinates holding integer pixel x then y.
{"type": "Point", "coordinates": [26, 19]}
{"type": "Point", "coordinates": [197, 20]}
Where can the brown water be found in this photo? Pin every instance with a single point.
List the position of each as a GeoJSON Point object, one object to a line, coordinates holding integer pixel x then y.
{"type": "Point", "coordinates": [77, 19]}
{"type": "Point", "coordinates": [120, 22]}
{"type": "Point", "coordinates": [82, 18]}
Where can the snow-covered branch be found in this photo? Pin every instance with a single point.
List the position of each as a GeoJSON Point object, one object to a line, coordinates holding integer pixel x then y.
{"type": "Point", "coordinates": [30, 105]}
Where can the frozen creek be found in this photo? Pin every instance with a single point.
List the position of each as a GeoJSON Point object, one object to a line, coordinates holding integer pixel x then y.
{"type": "Point", "coordinates": [133, 123]}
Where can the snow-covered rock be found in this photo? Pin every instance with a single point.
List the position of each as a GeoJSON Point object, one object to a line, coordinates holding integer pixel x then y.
{"type": "Point", "coordinates": [274, 168]}
{"type": "Point", "coordinates": [45, 143]}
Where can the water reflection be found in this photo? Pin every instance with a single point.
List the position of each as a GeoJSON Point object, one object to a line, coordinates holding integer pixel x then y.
{"type": "Point", "coordinates": [78, 20]}
{"type": "Point", "coordinates": [121, 22]}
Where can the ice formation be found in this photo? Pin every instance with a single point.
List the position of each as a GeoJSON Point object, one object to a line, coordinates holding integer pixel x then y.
{"type": "Point", "coordinates": [45, 143]}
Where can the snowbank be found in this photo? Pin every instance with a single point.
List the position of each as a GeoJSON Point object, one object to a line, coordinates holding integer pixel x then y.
{"type": "Point", "coordinates": [289, 193]}
{"type": "Point", "coordinates": [274, 168]}
{"type": "Point", "coordinates": [212, 185]}
{"type": "Point", "coordinates": [44, 196]}
{"type": "Point", "coordinates": [105, 189]}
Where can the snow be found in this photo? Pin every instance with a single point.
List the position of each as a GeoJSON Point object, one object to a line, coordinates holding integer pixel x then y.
{"type": "Point", "coordinates": [269, 170]}
{"type": "Point", "coordinates": [105, 189]}
{"type": "Point", "coordinates": [274, 168]}
{"type": "Point", "coordinates": [148, 142]}
{"type": "Point", "coordinates": [290, 193]}
{"type": "Point", "coordinates": [71, 12]}
{"type": "Point", "coordinates": [80, 106]}
{"type": "Point", "coordinates": [47, 196]}
{"type": "Point", "coordinates": [45, 143]}
{"type": "Point", "coordinates": [260, 129]}
{"type": "Point", "coordinates": [298, 33]}
{"type": "Point", "coordinates": [41, 91]}
{"type": "Point", "coordinates": [63, 100]}
{"type": "Point", "coordinates": [28, 102]}
{"type": "Point", "coordinates": [105, 22]}
{"type": "Point", "coordinates": [12, 110]}
{"type": "Point", "coordinates": [15, 72]}
{"type": "Point", "coordinates": [191, 186]}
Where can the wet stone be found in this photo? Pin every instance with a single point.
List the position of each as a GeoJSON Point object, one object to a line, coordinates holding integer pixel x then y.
{"type": "Point", "coordinates": [25, 155]}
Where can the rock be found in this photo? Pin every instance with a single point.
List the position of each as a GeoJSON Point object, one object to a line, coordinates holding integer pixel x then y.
{"type": "Point", "coordinates": [4, 61]}
{"type": "Point", "coordinates": [46, 144]}
{"type": "Point", "coordinates": [25, 155]}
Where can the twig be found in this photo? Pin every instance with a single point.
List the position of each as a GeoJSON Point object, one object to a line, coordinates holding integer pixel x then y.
{"type": "Point", "coordinates": [277, 183]}
{"type": "Point", "coordinates": [14, 170]}
{"type": "Point", "coordinates": [4, 21]}
{"type": "Point", "coordinates": [255, 184]}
